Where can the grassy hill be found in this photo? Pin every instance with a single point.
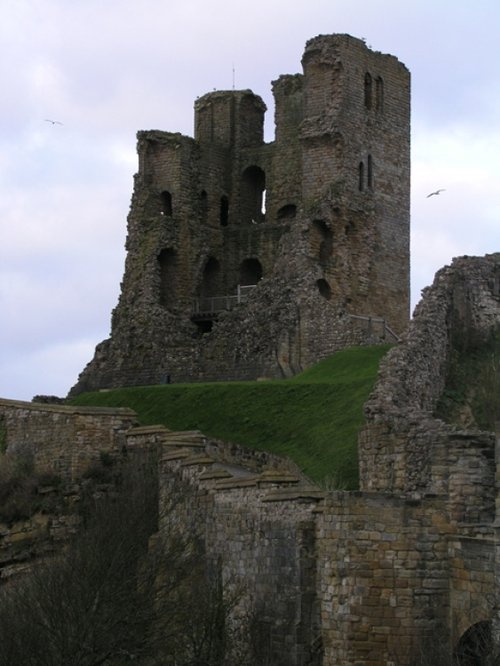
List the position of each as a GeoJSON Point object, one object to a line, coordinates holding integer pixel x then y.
{"type": "Point", "coordinates": [312, 418]}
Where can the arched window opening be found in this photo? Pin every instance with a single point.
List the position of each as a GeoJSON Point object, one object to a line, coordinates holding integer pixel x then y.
{"type": "Point", "coordinates": [370, 173]}
{"type": "Point", "coordinates": [203, 205]}
{"type": "Point", "coordinates": [379, 94]}
{"type": "Point", "coordinates": [322, 241]}
{"type": "Point", "coordinates": [475, 646]}
{"type": "Point", "coordinates": [361, 177]}
{"type": "Point", "coordinates": [211, 279]}
{"type": "Point", "coordinates": [368, 91]}
{"type": "Point", "coordinates": [209, 295]}
{"type": "Point", "coordinates": [287, 212]}
{"type": "Point", "coordinates": [224, 211]}
{"type": "Point", "coordinates": [250, 272]}
{"type": "Point", "coordinates": [167, 264]}
{"type": "Point", "coordinates": [253, 187]}
{"type": "Point", "coordinates": [324, 289]}
{"type": "Point", "coordinates": [166, 203]}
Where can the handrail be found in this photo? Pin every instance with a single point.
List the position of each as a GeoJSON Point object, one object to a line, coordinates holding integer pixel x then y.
{"type": "Point", "coordinates": [214, 304]}
{"type": "Point", "coordinates": [210, 305]}
{"type": "Point", "coordinates": [377, 320]}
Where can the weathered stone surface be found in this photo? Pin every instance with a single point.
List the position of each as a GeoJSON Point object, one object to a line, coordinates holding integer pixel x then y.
{"type": "Point", "coordinates": [403, 448]}
{"type": "Point", "coordinates": [63, 439]}
{"type": "Point", "coordinates": [323, 265]}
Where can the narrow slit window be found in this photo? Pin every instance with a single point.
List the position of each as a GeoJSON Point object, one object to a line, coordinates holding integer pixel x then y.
{"type": "Point", "coordinates": [203, 205]}
{"type": "Point", "coordinates": [224, 211]}
{"type": "Point", "coordinates": [368, 90]}
{"type": "Point", "coordinates": [166, 203]}
{"type": "Point", "coordinates": [370, 173]}
{"type": "Point", "coordinates": [361, 177]}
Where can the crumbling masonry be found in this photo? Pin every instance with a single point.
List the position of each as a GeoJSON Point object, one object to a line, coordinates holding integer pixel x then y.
{"type": "Point", "coordinates": [403, 572]}
{"type": "Point", "coordinates": [248, 259]}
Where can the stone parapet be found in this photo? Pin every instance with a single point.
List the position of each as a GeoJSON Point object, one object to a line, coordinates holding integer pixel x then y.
{"type": "Point", "coordinates": [60, 438]}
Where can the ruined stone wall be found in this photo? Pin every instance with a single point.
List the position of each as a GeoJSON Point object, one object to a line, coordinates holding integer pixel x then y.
{"type": "Point", "coordinates": [356, 164]}
{"type": "Point", "coordinates": [258, 526]}
{"type": "Point", "coordinates": [403, 447]}
{"type": "Point", "coordinates": [383, 577]}
{"type": "Point", "coordinates": [358, 578]}
{"type": "Point", "coordinates": [285, 176]}
{"type": "Point", "coordinates": [62, 439]}
{"type": "Point", "coordinates": [24, 543]}
{"type": "Point", "coordinates": [317, 220]}
{"type": "Point", "coordinates": [60, 444]}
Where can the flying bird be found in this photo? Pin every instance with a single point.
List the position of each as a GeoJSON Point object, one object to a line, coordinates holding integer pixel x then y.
{"type": "Point", "coordinates": [54, 122]}
{"type": "Point", "coordinates": [435, 193]}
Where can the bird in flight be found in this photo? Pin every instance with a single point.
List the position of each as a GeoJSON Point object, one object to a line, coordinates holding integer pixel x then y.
{"type": "Point", "coordinates": [436, 192]}
{"type": "Point", "coordinates": [54, 122]}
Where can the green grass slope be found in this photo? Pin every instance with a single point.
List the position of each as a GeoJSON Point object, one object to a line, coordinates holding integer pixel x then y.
{"type": "Point", "coordinates": [312, 418]}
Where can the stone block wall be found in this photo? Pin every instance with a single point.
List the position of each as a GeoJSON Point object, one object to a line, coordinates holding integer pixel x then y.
{"type": "Point", "coordinates": [369, 578]}
{"type": "Point", "coordinates": [358, 578]}
{"type": "Point", "coordinates": [259, 528]}
{"type": "Point", "coordinates": [62, 439]}
{"type": "Point", "coordinates": [383, 577]}
{"type": "Point", "coordinates": [473, 581]}
{"type": "Point", "coordinates": [24, 543]}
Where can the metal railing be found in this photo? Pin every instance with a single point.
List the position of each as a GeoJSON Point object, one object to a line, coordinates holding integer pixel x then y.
{"type": "Point", "coordinates": [211, 305]}
{"type": "Point", "coordinates": [214, 304]}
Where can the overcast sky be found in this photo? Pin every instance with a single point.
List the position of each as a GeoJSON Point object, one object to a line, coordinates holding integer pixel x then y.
{"type": "Point", "coordinates": [108, 68]}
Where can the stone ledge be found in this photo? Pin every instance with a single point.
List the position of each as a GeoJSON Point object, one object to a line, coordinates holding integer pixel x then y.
{"type": "Point", "coordinates": [66, 409]}
{"type": "Point", "coordinates": [214, 474]}
{"type": "Point", "coordinates": [285, 494]}
{"type": "Point", "coordinates": [234, 482]}
{"type": "Point", "coordinates": [198, 460]}
{"type": "Point", "coordinates": [276, 476]}
{"type": "Point", "coordinates": [184, 443]}
{"type": "Point", "coordinates": [187, 434]}
{"type": "Point", "coordinates": [177, 454]}
{"type": "Point", "coordinates": [148, 430]}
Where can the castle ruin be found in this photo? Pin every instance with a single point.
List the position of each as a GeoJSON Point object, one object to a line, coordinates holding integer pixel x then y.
{"type": "Point", "coordinates": [405, 570]}
{"type": "Point", "coordinates": [248, 259]}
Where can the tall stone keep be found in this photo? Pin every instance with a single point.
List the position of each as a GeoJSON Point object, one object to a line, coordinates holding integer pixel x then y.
{"type": "Point", "coordinates": [248, 259]}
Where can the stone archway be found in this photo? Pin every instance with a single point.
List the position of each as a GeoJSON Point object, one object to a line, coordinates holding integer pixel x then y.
{"type": "Point", "coordinates": [476, 647]}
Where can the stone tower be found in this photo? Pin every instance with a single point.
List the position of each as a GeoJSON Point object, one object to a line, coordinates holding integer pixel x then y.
{"type": "Point", "coordinates": [248, 259]}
